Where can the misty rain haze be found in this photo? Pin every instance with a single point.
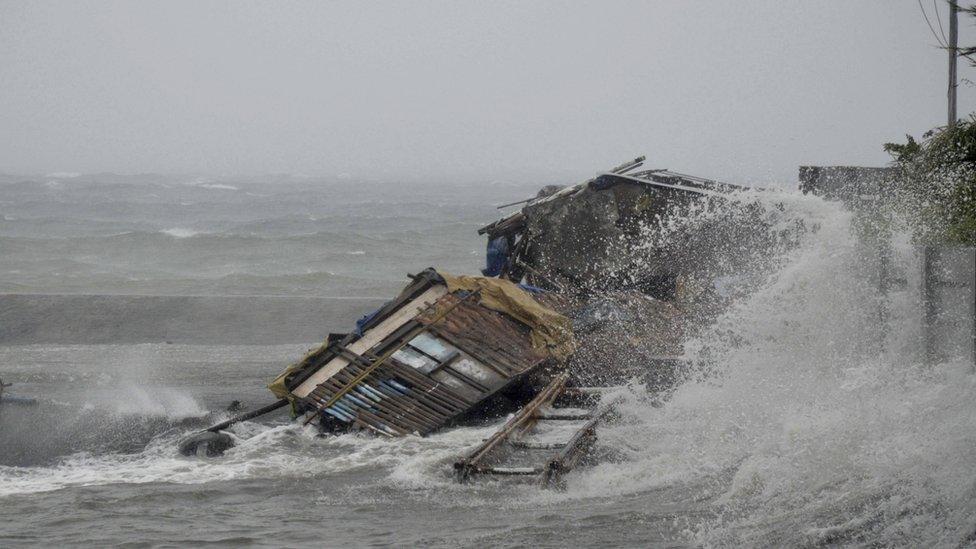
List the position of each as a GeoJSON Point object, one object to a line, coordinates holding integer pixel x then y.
{"type": "Point", "coordinates": [200, 202]}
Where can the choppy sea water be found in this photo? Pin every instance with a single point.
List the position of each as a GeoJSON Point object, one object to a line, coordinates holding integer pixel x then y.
{"type": "Point", "coordinates": [797, 430]}
{"type": "Point", "coordinates": [275, 235]}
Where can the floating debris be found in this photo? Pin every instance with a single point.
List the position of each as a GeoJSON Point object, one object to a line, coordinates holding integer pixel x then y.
{"type": "Point", "coordinates": [541, 440]}
{"type": "Point", "coordinates": [206, 444]}
{"type": "Point", "coordinates": [14, 399]}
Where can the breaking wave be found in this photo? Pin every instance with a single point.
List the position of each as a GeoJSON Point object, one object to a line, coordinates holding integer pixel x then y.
{"type": "Point", "coordinates": [261, 451]}
{"type": "Point", "coordinates": [177, 232]}
{"type": "Point", "coordinates": [220, 186]}
{"type": "Point", "coordinates": [797, 426]}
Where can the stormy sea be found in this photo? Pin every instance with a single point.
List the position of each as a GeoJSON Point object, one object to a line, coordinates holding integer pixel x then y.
{"type": "Point", "coordinates": [137, 308]}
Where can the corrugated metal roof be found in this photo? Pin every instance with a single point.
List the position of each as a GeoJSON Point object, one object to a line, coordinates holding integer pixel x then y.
{"type": "Point", "coordinates": [489, 336]}
{"type": "Point", "coordinates": [377, 391]}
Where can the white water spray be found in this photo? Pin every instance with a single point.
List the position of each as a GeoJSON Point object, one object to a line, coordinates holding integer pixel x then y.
{"type": "Point", "coordinates": [799, 428]}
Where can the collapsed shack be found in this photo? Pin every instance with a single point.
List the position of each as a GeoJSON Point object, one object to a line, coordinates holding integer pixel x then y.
{"type": "Point", "coordinates": [445, 348]}
{"type": "Point", "coordinates": [611, 233]}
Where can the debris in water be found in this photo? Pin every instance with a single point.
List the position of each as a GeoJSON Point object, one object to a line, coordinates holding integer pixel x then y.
{"type": "Point", "coordinates": [206, 444]}
{"type": "Point", "coordinates": [14, 399]}
{"type": "Point", "coordinates": [585, 286]}
{"type": "Point", "coordinates": [525, 444]}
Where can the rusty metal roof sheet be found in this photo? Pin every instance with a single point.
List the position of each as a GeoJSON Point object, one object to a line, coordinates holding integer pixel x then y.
{"type": "Point", "coordinates": [487, 335]}
{"type": "Point", "coordinates": [388, 392]}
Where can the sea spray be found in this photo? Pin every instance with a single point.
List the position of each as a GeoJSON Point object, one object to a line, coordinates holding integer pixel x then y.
{"type": "Point", "coordinates": [796, 425]}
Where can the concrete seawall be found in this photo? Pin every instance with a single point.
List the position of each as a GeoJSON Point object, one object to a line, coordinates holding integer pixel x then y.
{"type": "Point", "coordinates": [231, 320]}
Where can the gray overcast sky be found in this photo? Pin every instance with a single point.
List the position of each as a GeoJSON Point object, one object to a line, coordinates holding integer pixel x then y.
{"type": "Point", "coordinates": [743, 91]}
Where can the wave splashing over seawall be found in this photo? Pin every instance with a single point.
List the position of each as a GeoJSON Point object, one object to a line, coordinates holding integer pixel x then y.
{"type": "Point", "coordinates": [797, 426]}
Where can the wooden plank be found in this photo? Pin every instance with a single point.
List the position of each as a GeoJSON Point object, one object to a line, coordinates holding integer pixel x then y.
{"type": "Point", "coordinates": [398, 339]}
{"type": "Point", "coordinates": [425, 389]}
{"type": "Point", "coordinates": [405, 414]}
{"type": "Point", "coordinates": [557, 416]}
{"type": "Point", "coordinates": [472, 462]}
{"type": "Point", "coordinates": [570, 454]}
{"type": "Point", "coordinates": [511, 470]}
{"type": "Point", "coordinates": [529, 445]}
{"type": "Point", "coordinates": [371, 338]}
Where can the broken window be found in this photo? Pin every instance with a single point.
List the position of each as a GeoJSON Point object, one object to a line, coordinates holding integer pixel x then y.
{"type": "Point", "coordinates": [433, 347]}
{"type": "Point", "coordinates": [412, 357]}
{"type": "Point", "coordinates": [436, 357]}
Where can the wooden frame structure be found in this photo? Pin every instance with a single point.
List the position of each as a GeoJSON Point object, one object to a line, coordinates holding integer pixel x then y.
{"type": "Point", "coordinates": [424, 360]}
{"type": "Point", "coordinates": [536, 459]}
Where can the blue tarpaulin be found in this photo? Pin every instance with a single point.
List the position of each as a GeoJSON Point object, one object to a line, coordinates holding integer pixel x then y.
{"type": "Point", "coordinates": [531, 289]}
{"type": "Point", "coordinates": [496, 256]}
{"type": "Point", "coordinates": [366, 318]}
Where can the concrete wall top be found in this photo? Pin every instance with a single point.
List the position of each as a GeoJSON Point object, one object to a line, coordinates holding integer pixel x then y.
{"type": "Point", "coordinates": [844, 183]}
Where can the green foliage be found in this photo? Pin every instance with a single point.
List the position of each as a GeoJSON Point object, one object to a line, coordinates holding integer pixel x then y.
{"type": "Point", "coordinates": [936, 188]}
{"type": "Point", "coordinates": [902, 152]}
{"type": "Point", "coordinates": [969, 52]}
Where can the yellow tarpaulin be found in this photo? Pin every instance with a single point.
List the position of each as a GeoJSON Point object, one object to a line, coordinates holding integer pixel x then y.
{"type": "Point", "coordinates": [551, 331]}
{"type": "Point", "coordinates": [278, 387]}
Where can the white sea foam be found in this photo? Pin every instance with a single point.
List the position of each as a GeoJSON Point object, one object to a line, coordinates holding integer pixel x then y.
{"type": "Point", "coordinates": [159, 462]}
{"type": "Point", "coordinates": [220, 186]}
{"type": "Point", "coordinates": [260, 452]}
{"type": "Point", "coordinates": [811, 433]}
{"type": "Point", "coordinates": [209, 183]}
{"type": "Point", "coordinates": [178, 232]}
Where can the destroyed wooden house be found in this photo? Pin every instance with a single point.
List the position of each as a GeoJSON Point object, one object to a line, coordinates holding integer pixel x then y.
{"type": "Point", "coordinates": [435, 354]}
{"type": "Point", "coordinates": [606, 234]}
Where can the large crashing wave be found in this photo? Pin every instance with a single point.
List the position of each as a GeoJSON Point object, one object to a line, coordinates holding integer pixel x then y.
{"type": "Point", "coordinates": [798, 425]}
